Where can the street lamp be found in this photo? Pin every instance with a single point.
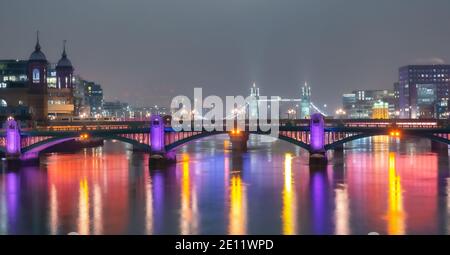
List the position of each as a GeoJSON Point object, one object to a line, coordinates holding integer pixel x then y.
{"type": "Point", "coordinates": [340, 113]}
{"type": "Point", "coordinates": [291, 112]}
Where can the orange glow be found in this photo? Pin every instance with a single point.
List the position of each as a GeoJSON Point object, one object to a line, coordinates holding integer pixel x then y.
{"type": "Point", "coordinates": [238, 207]}
{"type": "Point", "coordinates": [83, 208]}
{"type": "Point", "coordinates": [289, 211]}
{"type": "Point", "coordinates": [395, 133]}
{"type": "Point", "coordinates": [235, 131]}
{"type": "Point", "coordinates": [189, 210]}
{"type": "Point", "coordinates": [84, 136]}
{"type": "Point", "coordinates": [76, 185]}
{"type": "Point", "coordinates": [395, 215]}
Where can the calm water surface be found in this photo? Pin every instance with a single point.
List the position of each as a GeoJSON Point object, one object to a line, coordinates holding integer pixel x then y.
{"type": "Point", "coordinates": [375, 185]}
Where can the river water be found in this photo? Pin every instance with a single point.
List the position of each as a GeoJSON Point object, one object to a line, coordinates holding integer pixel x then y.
{"type": "Point", "coordinates": [376, 185]}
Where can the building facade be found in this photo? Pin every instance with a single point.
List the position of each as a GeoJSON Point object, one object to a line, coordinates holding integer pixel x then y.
{"type": "Point", "coordinates": [36, 88]}
{"type": "Point", "coordinates": [60, 90]}
{"type": "Point", "coordinates": [360, 104]}
{"type": "Point", "coordinates": [116, 109]}
{"type": "Point", "coordinates": [424, 91]}
{"type": "Point", "coordinates": [93, 98]}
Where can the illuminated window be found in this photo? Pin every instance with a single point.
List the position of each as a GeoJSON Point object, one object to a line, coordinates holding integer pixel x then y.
{"type": "Point", "coordinates": [36, 75]}
{"type": "Point", "coordinates": [3, 103]}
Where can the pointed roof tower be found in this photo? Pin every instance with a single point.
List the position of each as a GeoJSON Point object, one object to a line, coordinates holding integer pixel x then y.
{"type": "Point", "coordinates": [37, 54]}
{"type": "Point", "coordinates": [64, 61]}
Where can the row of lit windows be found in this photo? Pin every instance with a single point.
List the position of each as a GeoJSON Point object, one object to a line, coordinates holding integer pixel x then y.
{"type": "Point", "coordinates": [58, 102]}
{"type": "Point", "coordinates": [15, 78]}
{"type": "Point", "coordinates": [428, 70]}
{"type": "Point", "coordinates": [429, 80]}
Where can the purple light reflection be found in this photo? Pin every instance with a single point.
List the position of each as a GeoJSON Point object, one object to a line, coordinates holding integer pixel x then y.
{"type": "Point", "coordinates": [319, 199]}
{"type": "Point", "coordinates": [12, 194]}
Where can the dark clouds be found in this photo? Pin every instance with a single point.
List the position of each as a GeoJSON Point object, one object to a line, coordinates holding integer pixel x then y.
{"type": "Point", "coordinates": [145, 52]}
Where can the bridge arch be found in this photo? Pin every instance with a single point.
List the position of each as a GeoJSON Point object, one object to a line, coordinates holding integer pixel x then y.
{"type": "Point", "coordinates": [339, 143]}
{"type": "Point", "coordinates": [177, 144]}
{"type": "Point", "coordinates": [295, 142]}
{"type": "Point", "coordinates": [48, 143]}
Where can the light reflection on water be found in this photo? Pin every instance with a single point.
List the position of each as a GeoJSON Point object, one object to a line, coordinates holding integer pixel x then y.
{"type": "Point", "coordinates": [375, 185]}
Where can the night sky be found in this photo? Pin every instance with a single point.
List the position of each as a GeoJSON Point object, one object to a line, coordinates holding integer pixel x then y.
{"type": "Point", "coordinates": [146, 52]}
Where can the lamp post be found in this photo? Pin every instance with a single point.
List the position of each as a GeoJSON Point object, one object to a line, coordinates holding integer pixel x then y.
{"type": "Point", "coordinates": [291, 112]}
{"type": "Point", "coordinates": [340, 113]}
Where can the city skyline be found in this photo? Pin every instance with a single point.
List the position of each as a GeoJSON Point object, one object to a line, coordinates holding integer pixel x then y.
{"type": "Point", "coordinates": [150, 52]}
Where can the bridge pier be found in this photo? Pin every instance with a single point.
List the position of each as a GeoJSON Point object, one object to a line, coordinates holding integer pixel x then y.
{"type": "Point", "coordinates": [318, 155]}
{"type": "Point", "coordinates": [239, 141]}
{"type": "Point", "coordinates": [158, 154]}
{"type": "Point", "coordinates": [439, 147]}
{"type": "Point", "coordinates": [13, 140]}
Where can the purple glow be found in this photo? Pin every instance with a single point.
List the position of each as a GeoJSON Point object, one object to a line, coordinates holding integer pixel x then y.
{"type": "Point", "coordinates": [12, 137]}
{"type": "Point", "coordinates": [317, 133]}
{"type": "Point", "coordinates": [13, 189]}
{"type": "Point", "coordinates": [157, 134]}
{"type": "Point", "coordinates": [319, 189]}
{"type": "Point", "coordinates": [158, 200]}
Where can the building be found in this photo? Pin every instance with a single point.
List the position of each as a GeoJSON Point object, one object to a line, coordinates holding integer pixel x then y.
{"type": "Point", "coordinates": [80, 106]}
{"type": "Point", "coordinates": [60, 88]}
{"type": "Point", "coordinates": [158, 110]}
{"type": "Point", "coordinates": [37, 80]}
{"type": "Point", "coordinates": [93, 98]}
{"type": "Point", "coordinates": [349, 105]}
{"type": "Point", "coordinates": [35, 89]}
{"type": "Point", "coordinates": [14, 89]}
{"type": "Point", "coordinates": [116, 109]}
{"type": "Point", "coordinates": [360, 104]}
{"type": "Point", "coordinates": [23, 86]}
{"type": "Point", "coordinates": [380, 110]}
{"type": "Point", "coordinates": [305, 101]}
{"type": "Point", "coordinates": [424, 91]}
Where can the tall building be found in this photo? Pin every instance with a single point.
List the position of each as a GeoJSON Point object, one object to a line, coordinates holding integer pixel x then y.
{"type": "Point", "coordinates": [93, 94]}
{"type": "Point", "coordinates": [305, 101]}
{"type": "Point", "coordinates": [37, 79]}
{"type": "Point", "coordinates": [424, 91]}
{"type": "Point", "coordinates": [349, 105]}
{"type": "Point", "coordinates": [60, 92]}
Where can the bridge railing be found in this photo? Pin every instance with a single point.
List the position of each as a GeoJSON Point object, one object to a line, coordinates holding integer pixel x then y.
{"type": "Point", "coordinates": [300, 123]}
